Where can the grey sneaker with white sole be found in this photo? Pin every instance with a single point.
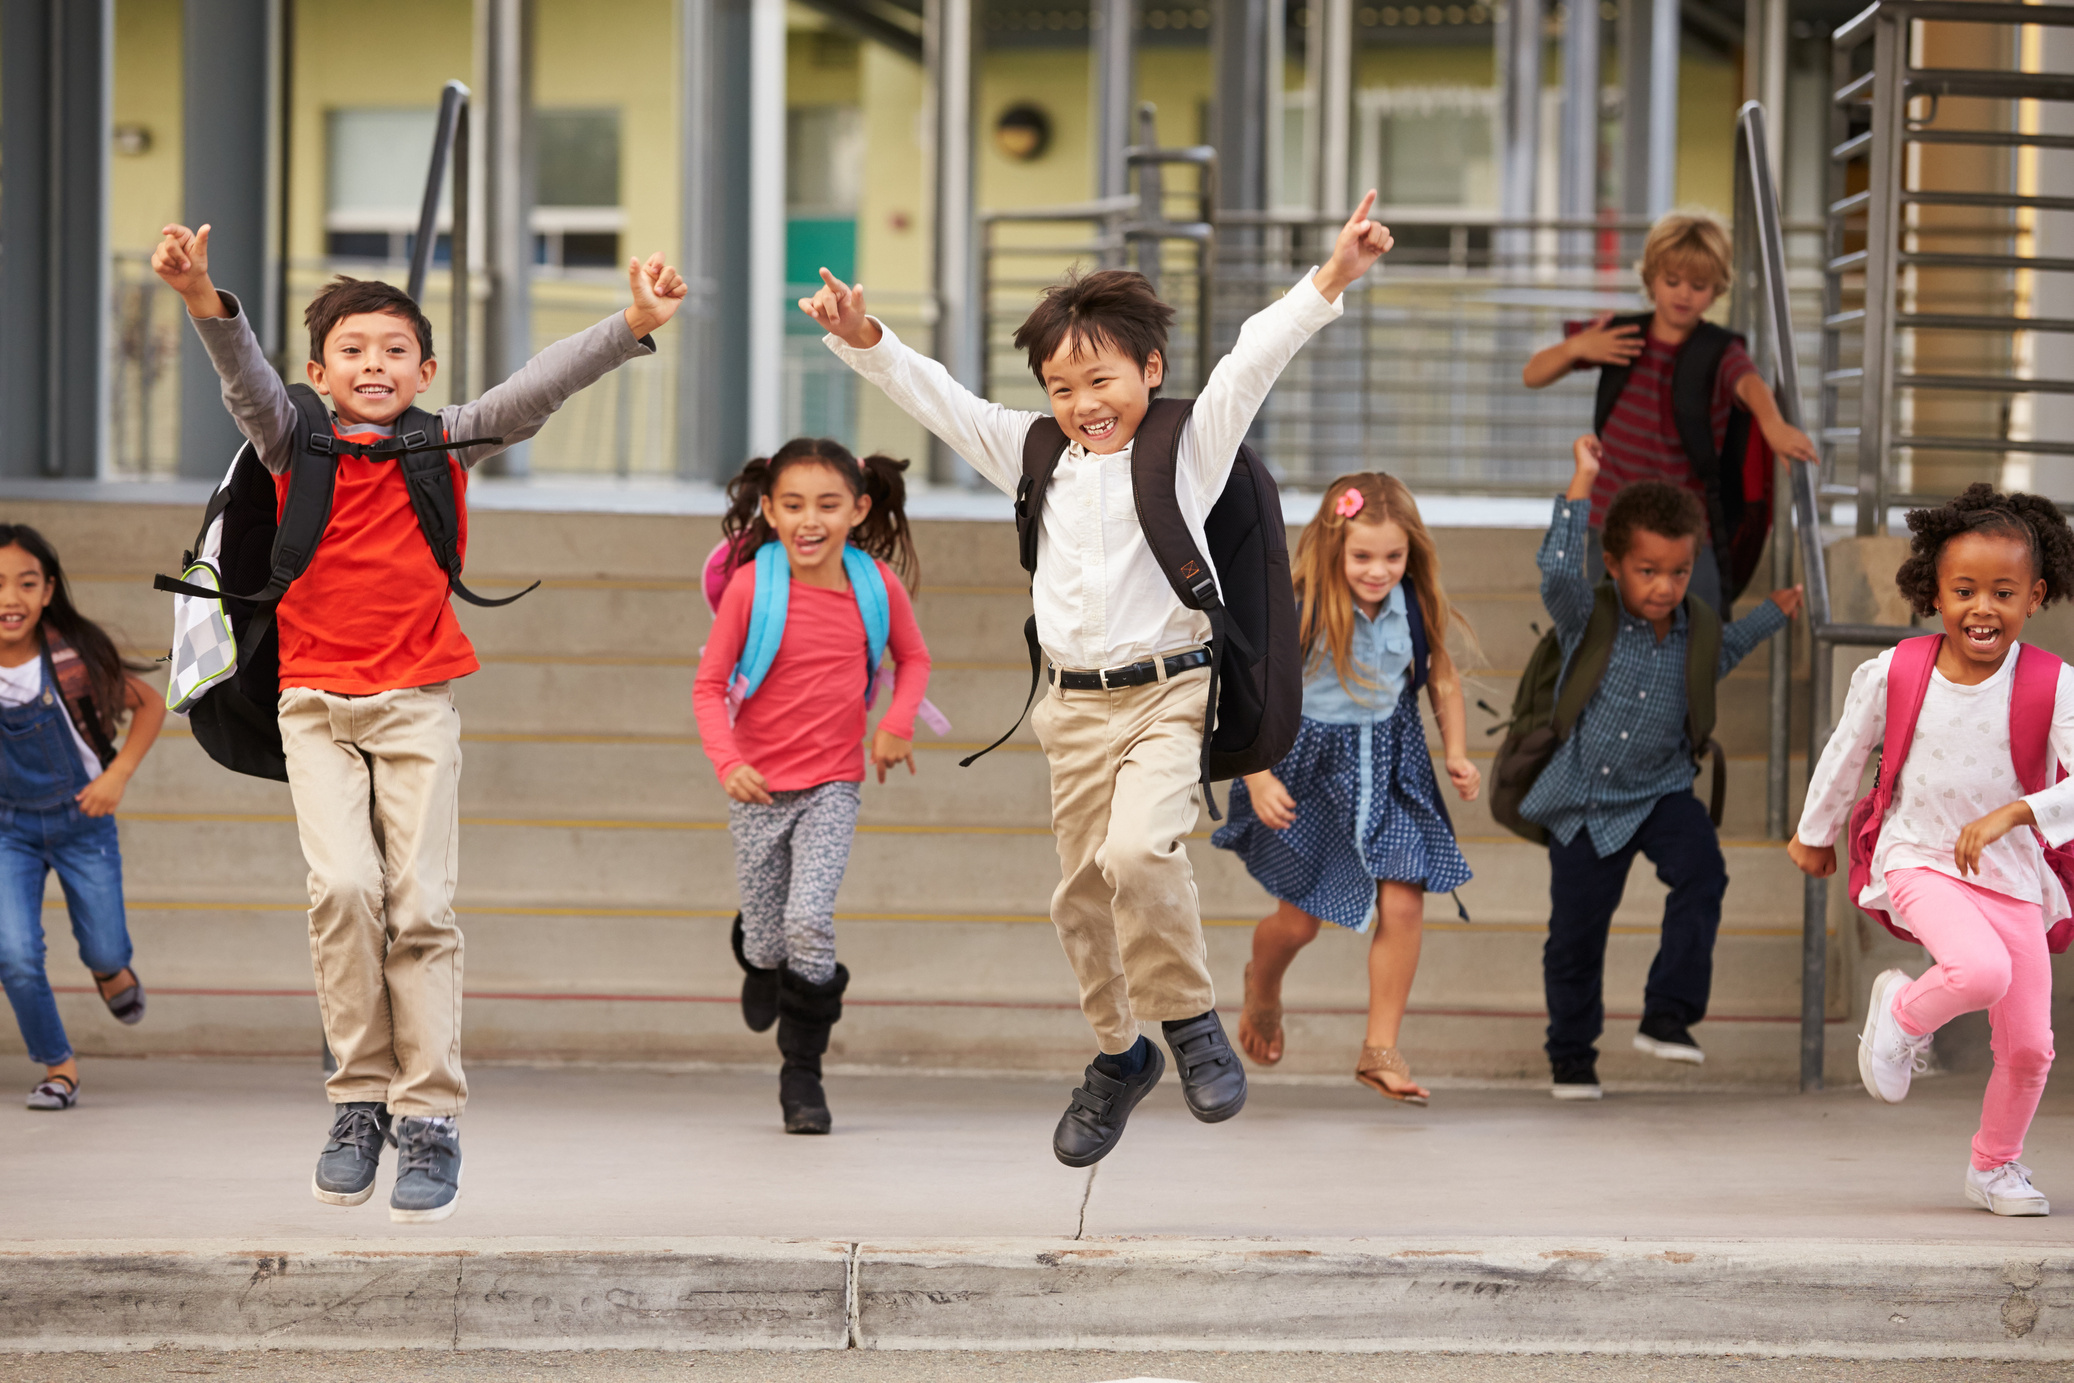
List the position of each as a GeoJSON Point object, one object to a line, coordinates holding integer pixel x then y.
{"type": "Point", "coordinates": [347, 1166]}
{"type": "Point", "coordinates": [428, 1171]}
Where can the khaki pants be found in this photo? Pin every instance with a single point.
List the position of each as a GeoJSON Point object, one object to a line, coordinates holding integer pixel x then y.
{"type": "Point", "coordinates": [1124, 766]}
{"type": "Point", "coordinates": [376, 782]}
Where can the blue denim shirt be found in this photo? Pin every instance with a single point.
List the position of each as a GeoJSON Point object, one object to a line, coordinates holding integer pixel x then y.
{"type": "Point", "coordinates": [1628, 748]}
{"type": "Point", "coordinates": [1381, 652]}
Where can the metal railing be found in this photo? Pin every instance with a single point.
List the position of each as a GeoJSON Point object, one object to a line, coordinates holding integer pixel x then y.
{"type": "Point", "coordinates": [1420, 377]}
{"type": "Point", "coordinates": [1761, 297]}
{"type": "Point", "coordinates": [1895, 245]}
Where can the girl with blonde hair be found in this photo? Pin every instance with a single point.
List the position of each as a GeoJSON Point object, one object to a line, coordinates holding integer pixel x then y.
{"type": "Point", "coordinates": [1350, 827]}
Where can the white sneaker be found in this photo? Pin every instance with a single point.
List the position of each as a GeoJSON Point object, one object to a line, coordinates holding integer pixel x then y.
{"type": "Point", "coordinates": [1888, 1055]}
{"type": "Point", "coordinates": [2006, 1190]}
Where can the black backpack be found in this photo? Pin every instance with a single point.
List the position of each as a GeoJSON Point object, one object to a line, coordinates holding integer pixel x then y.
{"type": "Point", "coordinates": [1256, 665]}
{"type": "Point", "coordinates": [1548, 702]}
{"type": "Point", "coordinates": [259, 555]}
{"type": "Point", "coordinates": [1738, 519]}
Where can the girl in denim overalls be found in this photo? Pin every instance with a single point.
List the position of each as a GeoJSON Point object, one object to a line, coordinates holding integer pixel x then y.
{"type": "Point", "coordinates": [63, 692]}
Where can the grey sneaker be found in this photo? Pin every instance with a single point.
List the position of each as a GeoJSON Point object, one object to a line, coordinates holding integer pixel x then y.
{"type": "Point", "coordinates": [346, 1167]}
{"type": "Point", "coordinates": [428, 1171]}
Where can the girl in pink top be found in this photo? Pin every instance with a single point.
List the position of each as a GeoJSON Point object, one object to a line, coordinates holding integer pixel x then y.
{"type": "Point", "coordinates": [781, 695]}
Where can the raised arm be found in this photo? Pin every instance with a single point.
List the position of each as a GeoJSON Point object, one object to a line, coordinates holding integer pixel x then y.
{"type": "Point", "coordinates": [257, 400]}
{"type": "Point", "coordinates": [1565, 589]}
{"type": "Point", "coordinates": [985, 434]}
{"type": "Point", "coordinates": [1597, 344]}
{"type": "Point", "coordinates": [1231, 397]}
{"type": "Point", "coordinates": [520, 406]}
{"type": "Point", "coordinates": [1741, 638]}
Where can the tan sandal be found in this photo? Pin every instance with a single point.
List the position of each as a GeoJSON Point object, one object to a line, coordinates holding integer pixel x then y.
{"type": "Point", "coordinates": [1378, 1059]}
{"type": "Point", "coordinates": [1263, 1019]}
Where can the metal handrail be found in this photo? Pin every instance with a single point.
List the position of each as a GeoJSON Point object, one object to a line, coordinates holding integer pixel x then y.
{"type": "Point", "coordinates": [1761, 283]}
{"type": "Point", "coordinates": [449, 145]}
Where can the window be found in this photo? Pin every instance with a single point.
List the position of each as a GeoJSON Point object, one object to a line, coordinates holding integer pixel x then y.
{"type": "Point", "coordinates": [375, 178]}
{"type": "Point", "coordinates": [824, 171]}
{"type": "Point", "coordinates": [1427, 146]}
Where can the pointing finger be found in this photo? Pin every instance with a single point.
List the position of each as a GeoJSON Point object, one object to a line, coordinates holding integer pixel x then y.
{"type": "Point", "coordinates": [1361, 212]}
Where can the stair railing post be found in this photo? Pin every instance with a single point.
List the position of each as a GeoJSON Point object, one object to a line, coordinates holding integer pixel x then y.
{"type": "Point", "coordinates": [1882, 237]}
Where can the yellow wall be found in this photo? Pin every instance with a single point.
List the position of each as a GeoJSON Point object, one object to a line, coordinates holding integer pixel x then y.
{"type": "Point", "coordinates": [144, 189]}
{"type": "Point", "coordinates": [1708, 93]}
{"type": "Point", "coordinates": [621, 55]}
{"type": "Point", "coordinates": [893, 213]}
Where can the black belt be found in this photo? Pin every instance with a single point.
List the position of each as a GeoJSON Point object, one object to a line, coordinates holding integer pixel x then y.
{"type": "Point", "coordinates": [1136, 675]}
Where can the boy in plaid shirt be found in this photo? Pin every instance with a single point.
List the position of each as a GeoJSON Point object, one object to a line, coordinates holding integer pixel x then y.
{"type": "Point", "coordinates": [1621, 784]}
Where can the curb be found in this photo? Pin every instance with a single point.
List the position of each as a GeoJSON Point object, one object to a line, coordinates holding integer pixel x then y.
{"type": "Point", "coordinates": [1482, 1296]}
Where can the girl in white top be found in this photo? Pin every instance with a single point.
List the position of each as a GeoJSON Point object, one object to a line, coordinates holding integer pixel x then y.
{"type": "Point", "coordinates": [1959, 862]}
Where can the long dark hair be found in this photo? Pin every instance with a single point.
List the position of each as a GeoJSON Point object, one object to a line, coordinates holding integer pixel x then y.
{"type": "Point", "coordinates": [884, 533]}
{"type": "Point", "coordinates": [104, 666]}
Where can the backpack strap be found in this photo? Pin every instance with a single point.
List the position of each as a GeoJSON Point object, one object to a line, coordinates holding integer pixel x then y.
{"type": "Point", "coordinates": [868, 586]}
{"type": "Point", "coordinates": [767, 610]}
{"type": "Point", "coordinates": [421, 448]}
{"type": "Point", "coordinates": [2032, 699]}
{"type": "Point", "coordinates": [66, 671]}
{"type": "Point", "coordinates": [1702, 668]}
{"type": "Point", "coordinates": [1043, 445]}
{"type": "Point", "coordinates": [1908, 682]}
{"type": "Point", "coordinates": [1420, 651]}
{"type": "Point", "coordinates": [1614, 378]}
{"type": "Point", "coordinates": [1588, 661]}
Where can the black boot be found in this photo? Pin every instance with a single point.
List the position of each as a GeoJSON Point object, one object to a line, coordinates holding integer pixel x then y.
{"type": "Point", "coordinates": [759, 987]}
{"type": "Point", "coordinates": [805, 1014]}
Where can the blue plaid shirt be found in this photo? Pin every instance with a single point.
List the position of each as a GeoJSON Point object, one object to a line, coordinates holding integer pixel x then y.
{"type": "Point", "coordinates": [1628, 748]}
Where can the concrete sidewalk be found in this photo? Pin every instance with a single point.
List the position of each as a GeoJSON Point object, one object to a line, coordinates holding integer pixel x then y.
{"type": "Point", "coordinates": [617, 1208]}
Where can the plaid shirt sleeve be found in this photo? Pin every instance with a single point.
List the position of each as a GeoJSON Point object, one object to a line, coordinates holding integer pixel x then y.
{"type": "Point", "coordinates": [1564, 588]}
{"type": "Point", "coordinates": [1740, 639]}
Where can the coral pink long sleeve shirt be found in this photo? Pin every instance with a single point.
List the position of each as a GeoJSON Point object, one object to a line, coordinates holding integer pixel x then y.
{"type": "Point", "coordinates": [805, 725]}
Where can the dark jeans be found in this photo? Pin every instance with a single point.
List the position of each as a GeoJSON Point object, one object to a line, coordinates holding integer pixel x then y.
{"type": "Point", "coordinates": [1584, 890]}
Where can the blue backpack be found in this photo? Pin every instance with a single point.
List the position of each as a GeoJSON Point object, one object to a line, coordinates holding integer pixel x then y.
{"type": "Point", "coordinates": [773, 597]}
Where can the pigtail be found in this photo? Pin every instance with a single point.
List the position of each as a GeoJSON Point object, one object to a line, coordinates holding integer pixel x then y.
{"type": "Point", "coordinates": [743, 526]}
{"type": "Point", "coordinates": [1982, 509]}
{"type": "Point", "coordinates": [885, 533]}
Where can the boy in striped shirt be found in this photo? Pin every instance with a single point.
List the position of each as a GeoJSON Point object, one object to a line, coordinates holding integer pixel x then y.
{"type": "Point", "coordinates": [1685, 267]}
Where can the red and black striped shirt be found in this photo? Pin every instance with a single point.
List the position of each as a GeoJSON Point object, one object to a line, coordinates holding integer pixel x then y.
{"type": "Point", "coordinates": [1641, 437]}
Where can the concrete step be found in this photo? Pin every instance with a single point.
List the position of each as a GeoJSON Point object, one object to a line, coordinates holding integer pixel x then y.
{"type": "Point", "coordinates": [663, 778]}
{"type": "Point", "coordinates": [937, 870]}
{"type": "Point", "coordinates": [598, 983]}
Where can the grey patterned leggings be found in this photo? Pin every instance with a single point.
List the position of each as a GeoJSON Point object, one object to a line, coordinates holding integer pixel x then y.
{"type": "Point", "coordinates": [789, 861]}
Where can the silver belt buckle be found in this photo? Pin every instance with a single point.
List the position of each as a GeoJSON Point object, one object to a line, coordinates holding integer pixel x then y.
{"type": "Point", "coordinates": [1102, 676]}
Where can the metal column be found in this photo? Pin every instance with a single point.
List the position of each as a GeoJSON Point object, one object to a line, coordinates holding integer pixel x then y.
{"type": "Point", "coordinates": [1247, 86]}
{"type": "Point", "coordinates": [1113, 54]}
{"type": "Point", "coordinates": [1329, 64]}
{"type": "Point", "coordinates": [1764, 70]}
{"type": "Point", "coordinates": [712, 389]}
{"type": "Point", "coordinates": [1876, 395]}
{"type": "Point", "coordinates": [1577, 189]}
{"type": "Point", "coordinates": [226, 181]}
{"type": "Point", "coordinates": [947, 59]}
{"type": "Point", "coordinates": [1663, 106]}
{"type": "Point", "coordinates": [766, 263]}
{"type": "Point", "coordinates": [504, 45]}
{"type": "Point", "coordinates": [1518, 40]}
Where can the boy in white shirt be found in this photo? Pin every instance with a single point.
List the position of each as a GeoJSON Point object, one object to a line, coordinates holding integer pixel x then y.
{"type": "Point", "coordinates": [1125, 747]}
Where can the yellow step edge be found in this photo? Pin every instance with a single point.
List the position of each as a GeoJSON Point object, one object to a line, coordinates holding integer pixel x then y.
{"type": "Point", "coordinates": [714, 914]}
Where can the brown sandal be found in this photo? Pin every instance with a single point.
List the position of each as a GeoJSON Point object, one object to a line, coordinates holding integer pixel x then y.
{"type": "Point", "coordinates": [1377, 1059]}
{"type": "Point", "coordinates": [1263, 1019]}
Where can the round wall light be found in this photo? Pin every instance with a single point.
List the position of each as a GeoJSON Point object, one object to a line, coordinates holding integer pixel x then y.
{"type": "Point", "coordinates": [1023, 132]}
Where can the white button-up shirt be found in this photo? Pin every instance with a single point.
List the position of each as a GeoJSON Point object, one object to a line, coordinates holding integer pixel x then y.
{"type": "Point", "coordinates": [1101, 599]}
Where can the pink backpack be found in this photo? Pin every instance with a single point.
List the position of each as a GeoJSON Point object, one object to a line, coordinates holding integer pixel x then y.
{"type": "Point", "coordinates": [2031, 702]}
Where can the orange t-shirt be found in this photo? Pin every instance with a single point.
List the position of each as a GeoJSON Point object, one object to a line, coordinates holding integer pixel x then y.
{"type": "Point", "coordinates": [371, 614]}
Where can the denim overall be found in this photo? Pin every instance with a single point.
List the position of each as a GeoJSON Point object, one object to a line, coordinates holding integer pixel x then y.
{"type": "Point", "coordinates": [41, 829]}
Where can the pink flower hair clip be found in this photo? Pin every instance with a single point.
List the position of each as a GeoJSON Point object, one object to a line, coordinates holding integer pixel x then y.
{"type": "Point", "coordinates": [1350, 502]}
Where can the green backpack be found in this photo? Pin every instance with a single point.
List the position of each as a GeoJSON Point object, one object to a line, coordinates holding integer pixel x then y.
{"type": "Point", "coordinates": [1541, 720]}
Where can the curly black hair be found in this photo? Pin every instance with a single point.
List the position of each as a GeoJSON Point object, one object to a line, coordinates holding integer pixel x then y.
{"type": "Point", "coordinates": [2031, 519]}
{"type": "Point", "coordinates": [1651, 506]}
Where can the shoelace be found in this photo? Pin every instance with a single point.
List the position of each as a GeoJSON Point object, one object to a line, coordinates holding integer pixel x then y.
{"type": "Point", "coordinates": [418, 1149]}
{"type": "Point", "coordinates": [357, 1128]}
{"type": "Point", "coordinates": [2002, 1173]}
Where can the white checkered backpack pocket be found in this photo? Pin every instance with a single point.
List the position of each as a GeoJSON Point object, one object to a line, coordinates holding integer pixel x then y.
{"type": "Point", "coordinates": [205, 651]}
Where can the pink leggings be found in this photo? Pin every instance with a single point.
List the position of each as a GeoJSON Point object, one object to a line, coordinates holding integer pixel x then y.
{"type": "Point", "coordinates": [1990, 953]}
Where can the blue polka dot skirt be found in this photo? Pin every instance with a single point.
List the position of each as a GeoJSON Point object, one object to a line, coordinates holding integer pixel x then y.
{"type": "Point", "coordinates": [1368, 807]}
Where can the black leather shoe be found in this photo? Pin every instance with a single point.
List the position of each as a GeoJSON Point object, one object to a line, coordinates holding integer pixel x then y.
{"type": "Point", "coordinates": [1212, 1081]}
{"type": "Point", "coordinates": [1093, 1123]}
{"type": "Point", "coordinates": [759, 987]}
